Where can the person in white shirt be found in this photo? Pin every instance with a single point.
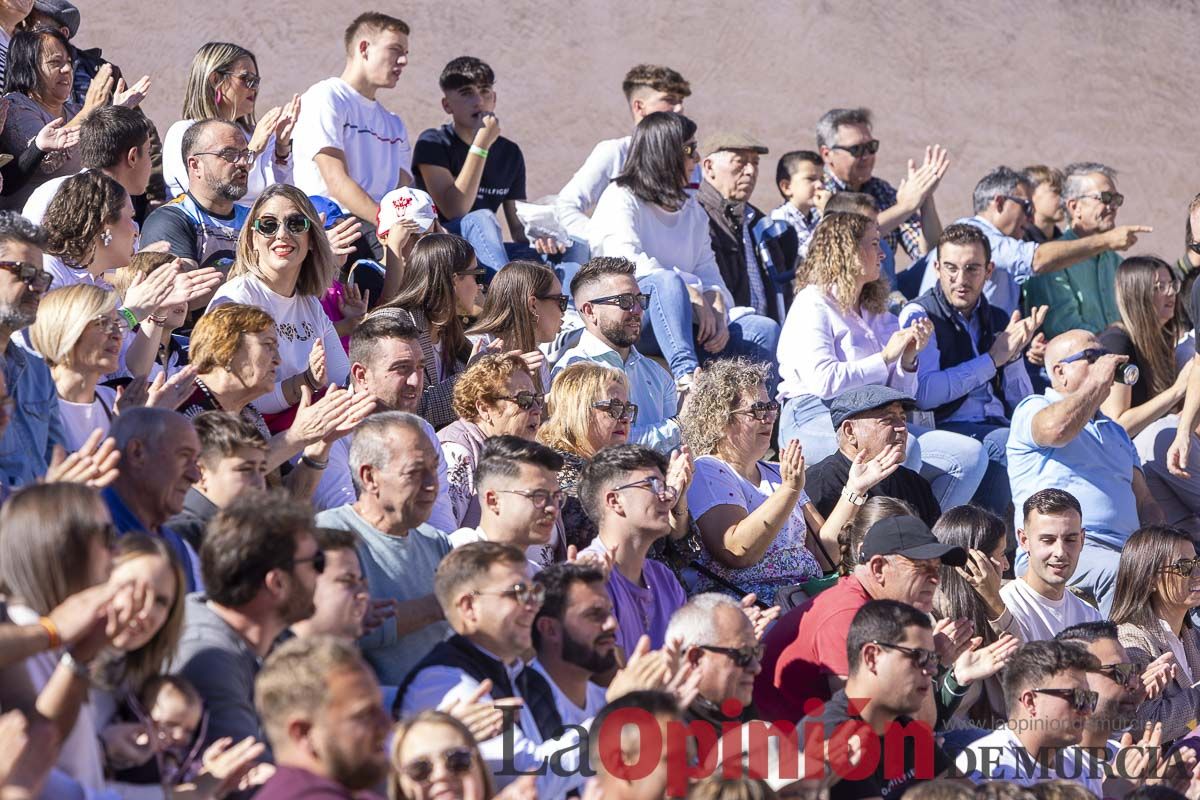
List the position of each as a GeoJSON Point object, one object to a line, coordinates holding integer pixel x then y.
{"type": "Point", "coordinates": [1053, 536]}
{"type": "Point", "coordinates": [350, 148]}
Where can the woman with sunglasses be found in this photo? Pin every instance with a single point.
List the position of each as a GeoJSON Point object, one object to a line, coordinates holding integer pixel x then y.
{"type": "Point", "coordinates": [434, 756]}
{"type": "Point", "coordinates": [441, 286]}
{"type": "Point", "coordinates": [588, 409]}
{"type": "Point", "coordinates": [495, 396]}
{"type": "Point", "coordinates": [753, 515]}
{"type": "Point", "coordinates": [1158, 585]}
{"type": "Point", "coordinates": [523, 310]}
{"type": "Point", "coordinates": [223, 84]}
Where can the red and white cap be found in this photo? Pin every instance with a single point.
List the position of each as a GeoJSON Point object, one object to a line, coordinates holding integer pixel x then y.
{"type": "Point", "coordinates": [401, 204]}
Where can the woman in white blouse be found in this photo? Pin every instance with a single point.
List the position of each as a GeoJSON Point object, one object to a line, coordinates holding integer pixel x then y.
{"type": "Point", "coordinates": [839, 335]}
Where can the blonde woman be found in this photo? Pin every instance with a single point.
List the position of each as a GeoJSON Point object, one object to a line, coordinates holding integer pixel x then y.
{"type": "Point", "coordinates": [223, 84]}
{"type": "Point", "coordinates": [435, 755]}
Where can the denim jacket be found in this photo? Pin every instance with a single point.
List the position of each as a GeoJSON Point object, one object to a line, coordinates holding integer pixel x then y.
{"type": "Point", "coordinates": [35, 426]}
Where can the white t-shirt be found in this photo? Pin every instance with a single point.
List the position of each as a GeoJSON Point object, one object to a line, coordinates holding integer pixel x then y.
{"type": "Point", "coordinates": [39, 200]}
{"type": "Point", "coordinates": [80, 419]}
{"type": "Point", "coordinates": [373, 139]}
{"type": "Point", "coordinates": [1040, 617]}
{"type": "Point", "coordinates": [572, 714]}
{"type": "Point", "coordinates": [539, 555]}
{"type": "Point", "coordinates": [1000, 756]}
{"type": "Point", "coordinates": [299, 321]}
{"type": "Point", "coordinates": [263, 172]}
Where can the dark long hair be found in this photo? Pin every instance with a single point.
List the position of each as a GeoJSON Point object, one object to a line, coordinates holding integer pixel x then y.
{"type": "Point", "coordinates": [851, 535]}
{"type": "Point", "coordinates": [429, 288]}
{"type": "Point", "coordinates": [22, 72]}
{"type": "Point", "coordinates": [1147, 551]}
{"type": "Point", "coordinates": [971, 528]}
{"type": "Point", "coordinates": [1153, 341]}
{"type": "Point", "coordinates": [655, 171]}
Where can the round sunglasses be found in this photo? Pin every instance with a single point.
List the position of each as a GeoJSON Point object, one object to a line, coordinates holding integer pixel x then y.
{"type": "Point", "coordinates": [296, 224]}
{"type": "Point", "coordinates": [620, 411]}
{"type": "Point", "coordinates": [456, 760]}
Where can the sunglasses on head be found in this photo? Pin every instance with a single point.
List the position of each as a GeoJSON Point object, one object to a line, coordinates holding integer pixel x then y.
{"type": "Point", "coordinates": [1114, 199]}
{"type": "Point", "coordinates": [859, 150]}
{"type": "Point", "coordinates": [296, 224]}
{"type": "Point", "coordinates": [561, 299]}
{"type": "Point", "coordinates": [525, 400]}
{"type": "Point", "coordinates": [618, 410]}
{"type": "Point", "coordinates": [456, 760]}
{"type": "Point", "coordinates": [919, 656]}
{"type": "Point", "coordinates": [317, 560]}
{"type": "Point", "coordinates": [761, 411]}
{"type": "Point", "coordinates": [742, 657]}
{"type": "Point", "coordinates": [31, 275]}
{"type": "Point", "coordinates": [1080, 699]}
{"type": "Point", "coordinates": [625, 302]}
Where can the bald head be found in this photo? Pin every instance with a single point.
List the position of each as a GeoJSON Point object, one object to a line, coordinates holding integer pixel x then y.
{"type": "Point", "coordinates": [1068, 344]}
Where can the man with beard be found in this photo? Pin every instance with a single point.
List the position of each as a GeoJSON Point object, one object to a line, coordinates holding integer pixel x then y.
{"type": "Point", "coordinates": [260, 563]}
{"type": "Point", "coordinates": [611, 305]}
{"type": "Point", "coordinates": [34, 427]}
{"type": "Point", "coordinates": [320, 706]}
{"type": "Point", "coordinates": [203, 224]}
{"type": "Point", "coordinates": [574, 634]}
{"type": "Point", "coordinates": [1117, 683]}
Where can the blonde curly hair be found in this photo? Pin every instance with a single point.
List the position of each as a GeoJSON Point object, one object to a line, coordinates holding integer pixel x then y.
{"type": "Point", "coordinates": [714, 396]}
{"type": "Point", "coordinates": [833, 263]}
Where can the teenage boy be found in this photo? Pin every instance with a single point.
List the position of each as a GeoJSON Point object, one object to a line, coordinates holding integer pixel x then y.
{"type": "Point", "coordinates": [800, 177]}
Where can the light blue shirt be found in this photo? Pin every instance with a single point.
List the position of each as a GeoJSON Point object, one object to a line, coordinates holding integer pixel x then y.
{"type": "Point", "coordinates": [973, 378]}
{"type": "Point", "coordinates": [651, 389]}
{"type": "Point", "coordinates": [36, 426]}
{"type": "Point", "coordinates": [1014, 265]}
{"type": "Point", "coordinates": [1096, 467]}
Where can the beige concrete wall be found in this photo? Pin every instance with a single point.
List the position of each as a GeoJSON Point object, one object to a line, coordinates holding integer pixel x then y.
{"type": "Point", "coordinates": [998, 81]}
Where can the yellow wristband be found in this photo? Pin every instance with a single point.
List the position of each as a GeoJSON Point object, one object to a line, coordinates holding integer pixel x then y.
{"type": "Point", "coordinates": [52, 631]}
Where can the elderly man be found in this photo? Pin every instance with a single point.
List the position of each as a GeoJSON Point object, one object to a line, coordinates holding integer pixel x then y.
{"type": "Point", "coordinates": [1062, 440]}
{"type": "Point", "coordinates": [394, 467]}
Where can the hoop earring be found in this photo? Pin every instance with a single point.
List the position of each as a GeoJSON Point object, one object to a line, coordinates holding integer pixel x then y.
{"type": "Point", "coordinates": [106, 237]}
{"type": "Point", "coordinates": [218, 97]}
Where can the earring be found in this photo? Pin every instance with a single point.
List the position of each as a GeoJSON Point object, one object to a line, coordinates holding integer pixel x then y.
{"type": "Point", "coordinates": [218, 97]}
{"type": "Point", "coordinates": [106, 237]}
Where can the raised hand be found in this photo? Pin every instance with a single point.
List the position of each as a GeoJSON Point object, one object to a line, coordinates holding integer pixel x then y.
{"type": "Point", "coordinates": [533, 361]}
{"type": "Point", "coordinates": [483, 719]}
{"type": "Point", "coordinates": [99, 90]}
{"type": "Point", "coordinates": [169, 393]}
{"type": "Point", "coordinates": [265, 129]}
{"type": "Point", "coordinates": [353, 303]}
{"type": "Point", "coordinates": [1037, 350]}
{"type": "Point", "coordinates": [127, 744]}
{"type": "Point", "coordinates": [644, 670]}
{"type": "Point", "coordinates": [978, 663]}
{"type": "Point", "coordinates": [379, 612]}
{"type": "Point", "coordinates": [866, 474]}
{"type": "Point", "coordinates": [132, 395]}
{"type": "Point", "coordinates": [1158, 674]}
{"type": "Point", "coordinates": [228, 767]}
{"type": "Point", "coordinates": [287, 124]}
{"type": "Point", "coordinates": [760, 618]}
{"type": "Point", "coordinates": [680, 470]}
{"type": "Point", "coordinates": [897, 344]}
{"type": "Point", "coordinates": [316, 363]}
{"type": "Point", "coordinates": [791, 466]}
{"type": "Point", "coordinates": [1124, 237]}
{"type": "Point", "coordinates": [94, 464]}
{"type": "Point", "coordinates": [343, 235]}
{"type": "Point", "coordinates": [1016, 336]}
{"type": "Point", "coordinates": [488, 131]}
{"type": "Point", "coordinates": [132, 96]}
{"type": "Point", "coordinates": [951, 637]}
{"type": "Point", "coordinates": [983, 574]}
{"type": "Point", "coordinates": [54, 136]}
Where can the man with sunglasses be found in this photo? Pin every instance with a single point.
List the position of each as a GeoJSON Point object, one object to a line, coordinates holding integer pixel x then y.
{"type": "Point", "coordinates": [341, 596]}
{"type": "Point", "coordinates": [1049, 705]}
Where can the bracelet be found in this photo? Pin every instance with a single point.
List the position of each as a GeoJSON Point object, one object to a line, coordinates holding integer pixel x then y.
{"type": "Point", "coordinates": [853, 498]}
{"type": "Point", "coordinates": [312, 463]}
{"type": "Point", "coordinates": [129, 317]}
{"type": "Point", "coordinates": [309, 380]}
{"type": "Point", "coordinates": [476, 150]}
{"type": "Point", "coordinates": [78, 668]}
{"type": "Point", "coordinates": [51, 631]}
{"type": "Point", "coordinates": [157, 320]}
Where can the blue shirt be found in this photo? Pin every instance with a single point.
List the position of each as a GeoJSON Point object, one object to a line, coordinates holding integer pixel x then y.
{"type": "Point", "coordinates": [126, 521]}
{"type": "Point", "coordinates": [651, 389]}
{"type": "Point", "coordinates": [1014, 265]}
{"type": "Point", "coordinates": [1096, 467]}
{"type": "Point", "coordinates": [36, 426]}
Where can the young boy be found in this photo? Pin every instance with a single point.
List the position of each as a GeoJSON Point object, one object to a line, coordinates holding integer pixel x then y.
{"type": "Point", "coordinates": [175, 712]}
{"type": "Point", "coordinates": [800, 177]}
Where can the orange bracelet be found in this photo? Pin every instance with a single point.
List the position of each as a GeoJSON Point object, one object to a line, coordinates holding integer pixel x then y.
{"type": "Point", "coordinates": [52, 630]}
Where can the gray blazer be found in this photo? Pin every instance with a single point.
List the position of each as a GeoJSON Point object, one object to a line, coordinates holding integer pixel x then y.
{"type": "Point", "coordinates": [1178, 707]}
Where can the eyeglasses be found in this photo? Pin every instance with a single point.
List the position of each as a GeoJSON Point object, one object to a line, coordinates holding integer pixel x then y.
{"type": "Point", "coordinates": [31, 275]}
{"type": "Point", "coordinates": [625, 302]}
{"type": "Point", "coordinates": [1091, 356]}
{"type": "Point", "coordinates": [231, 155]}
{"type": "Point", "coordinates": [953, 270]}
{"type": "Point", "coordinates": [296, 224]}
{"type": "Point", "coordinates": [1184, 567]}
{"type": "Point", "coordinates": [248, 79]}
{"type": "Point", "coordinates": [1026, 205]}
{"type": "Point", "coordinates": [618, 410]}
{"type": "Point", "coordinates": [742, 657]}
{"type": "Point", "coordinates": [1081, 700]}
{"type": "Point", "coordinates": [656, 486]}
{"type": "Point", "coordinates": [539, 497]}
{"type": "Point", "coordinates": [1194, 247]}
{"type": "Point", "coordinates": [1114, 199]}
{"type": "Point", "coordinates": [1170, 289]}
{"type": "Point", "coordinates": [111, 325]}
{"type": "Point", "coordinates": [859, 150]}
{"type": "Point", "coordinates": [523, 593]}
{"type": "Point", "coordinates": [525, 400]}
{"type": "Point", "coordinates": [456, 760]}
{"type": "Point", "coordinates": [1121, 674]}
{"type": "Point", "coordinates": [691, 149]}
{"type": "Point", "coordinates": [561, 299]}
{"type": "Point", "coordinates": [922, 658]}
{"type": "Point", "coordinates": [317, 560]}
{"type": "Point", "coordinates": [760, 411]}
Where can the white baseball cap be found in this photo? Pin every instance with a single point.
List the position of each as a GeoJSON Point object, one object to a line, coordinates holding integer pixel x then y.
{"type": "Point", "coordinates": [401, 204]}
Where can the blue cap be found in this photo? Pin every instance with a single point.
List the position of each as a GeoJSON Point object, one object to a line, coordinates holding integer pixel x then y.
{"type": "Point", "coordinates": [332, 211]}
{"type": "Point", "coordinates": [865, 398]}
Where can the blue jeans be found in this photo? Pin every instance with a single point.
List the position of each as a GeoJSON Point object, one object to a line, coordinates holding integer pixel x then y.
{"type": "Point", "coordinates": [995, 493]}
{"type": "Point", "coordinates": [1096, 571]}
{"type": "Point", "coordinates": [481, 229]}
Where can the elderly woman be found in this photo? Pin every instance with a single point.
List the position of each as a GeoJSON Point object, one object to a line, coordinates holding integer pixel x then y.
{"type": "Point", "coordinates": [523, 309]}
{"type": "Point", "coordinates": [494, 397]}
{"type": "Point", "coordinates": [753, 515]}
{"type": "Point", "coordinates": [434, 755]}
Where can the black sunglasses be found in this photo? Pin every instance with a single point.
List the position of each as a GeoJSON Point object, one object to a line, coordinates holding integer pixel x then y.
{"type": "Point", "coordinates": [1122, 674]}
{"type": "Point", "coordinates": [625, 302]}
{"type": "Point", "coordinates": [858, 150]}
{"type": "Point", "coordinates": [760, 411]}
{"type": "Point", "coordinates": [561, 299]}
{"type": "Point", "coordinates": [1194, 247]}
{"type": "Point", "coordinates": [296, 224]}
{"type": "Point", "coordinates": [1080, 699]}
{"type": "Point", "coordinates": [1026, 205]}
{"type": "Point", "coordinates": [1091, 356]}
{"type": "Point", "coordinates": [248, 79]}
{"type": "Point", "coordinates": [31, 275]}
{"type": "Point", "coordinates": [457, 760]}
{"type": "Point", "coordinates": [618, 410]}
{"type": "Point", "coordinates": [317, 560]}
{"type": "Point", "coordinates": [525, 400]}
{"type": "Point", "coordinates": [1114, 199]}
{"type": "Point", "coordinates": [742, 657]}
{"type": "Point", "coordinates": [922, 658]}
{"type": "Point", "coordinates": [691, 149]}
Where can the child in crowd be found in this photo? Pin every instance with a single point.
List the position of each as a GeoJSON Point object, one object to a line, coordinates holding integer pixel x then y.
{"type": "Point", "coordinates": [800, 177]}
{"type": "Point", "coordinates": [173, 710]}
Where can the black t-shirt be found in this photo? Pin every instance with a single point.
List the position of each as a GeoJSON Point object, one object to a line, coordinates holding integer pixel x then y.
{"type": "Point", "coordinates": [503, 171]}
{"type": "Point", "coordinates": [825, 481]}
{"type": "Point", "coordinates": [922, 760]}
{"type": "Point", "coordinates": [1116, 339]}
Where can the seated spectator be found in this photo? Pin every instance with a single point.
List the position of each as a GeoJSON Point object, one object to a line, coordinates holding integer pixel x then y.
{"type": "Point", "coordinates": [486, 593]}
{"type": "Point", "coordinates": [232, 462]}
{"type": "Point", "coordinates": [1053, 536]}
{"type": "Point", "coordinates": [341, 599]}
{"type": "Point", "coordinates": [871, 435]}
{"type": "Point", "coordinates": [839, 336]}
{"type": "Point", "coordinates": [889, 651]}
{"type": "Point", "coordinates": [971, 374]}
{"type": "Point", "coordinates": [647, 217]}
{"type": "Point", "coordinates": [611, 304]}
{"type": "Point", "coordinates": [443, 287]}
{"type": "Point", "coordinates": [625, 489]}
{"type": "Point", "coordinates": [865, 206]}
{"type": "Point", "coordinates": [89, 230]}
{"type": "Point", "coordinates": [204, 223]}
{"type": "Point", "coordinates": [805, 652]}
{"type": "Point", "coordinates": [165, 352]}
{"type": "Point", "coordinates": [1046, 691]}
{"type": "Point", "coordinates": [495, 396]}
{"type": "Point", "coordinates": [1046, 187]}
{"type": "Point", "coordinates": [751, 254]}
{"type": "Point", "coordinates": [394, 466]}
{"type": "Point", "coordinates": [1061, 439]}
{"type": "Point", "coordinates": [434, 748]}
{"type": "Point", "coordinates": [223, 84]}
{"type": "Point", "coordinates": [516, 481]}
{"type": "Point", "coordinates": [261, 564]}
{"type": "Point", "coordinates": [1147, 333]}
{"type": "Point", "coordinates": [321, 710]}
{"type": "Point", "coordinates": [588, 410]}
{"type": "Point", "coordinates": [801, 180]}
{"type": "Point", "coordinates": [851, 537]}
{"type": "Point", "coordinates": [627, 746]}
{"type": "Point", "coordinates": [523, 310]}
{"type": "Point", "coordinates": [1158, 585]}
{"type": "Point", "coordinates": [648, 88]}
{"type": "Point", "coordinates": [759, 529]}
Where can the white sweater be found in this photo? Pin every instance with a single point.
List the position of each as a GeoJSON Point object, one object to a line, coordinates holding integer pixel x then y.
{"type": "Point", "coordinates": [299, 321]}
{"type": "Point", "coordinates": [263, 172]}
{"type": "Point", "coordinates": [582, 192]}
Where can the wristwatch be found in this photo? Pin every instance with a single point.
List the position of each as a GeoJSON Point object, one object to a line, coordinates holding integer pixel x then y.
{"type": "Point", "coordinates": [854, 498]}
{"type": "Point", "coordinates": [77, 667]}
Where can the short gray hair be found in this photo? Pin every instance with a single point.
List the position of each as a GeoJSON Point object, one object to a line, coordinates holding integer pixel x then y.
{"type": "Point", "coordinates": [999, 182]}
{"type": "Point", "coordinates": [147, 425]}
{"type": "Point", "coordinates": [692, 623]}
{"type": "Point", "coordinates": [372, 440]}
{"type": "Point", "coordinates": [1075, 175]}
{"type": "Point", "coordinates": [15, 228]}
{"type": "Point", "coordinates": [828, 124]}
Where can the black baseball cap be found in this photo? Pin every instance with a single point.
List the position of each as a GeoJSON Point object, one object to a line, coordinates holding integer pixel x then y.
{"type": "Point", "coordinates": [911, 538]}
